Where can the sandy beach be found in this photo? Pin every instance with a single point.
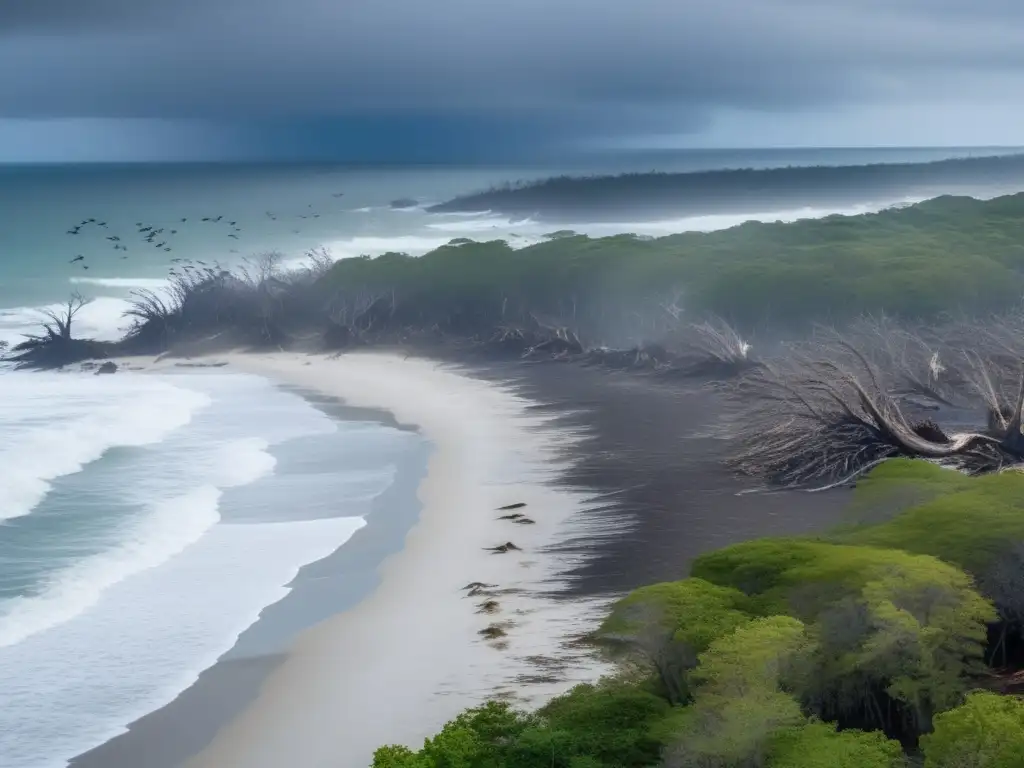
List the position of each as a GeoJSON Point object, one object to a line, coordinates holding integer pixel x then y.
{"type": "Point", "coordinates": [410, 656]}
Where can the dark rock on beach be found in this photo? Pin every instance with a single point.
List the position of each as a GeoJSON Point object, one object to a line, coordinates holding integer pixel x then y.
{"type": "Point", "coordinates": [108, 367]}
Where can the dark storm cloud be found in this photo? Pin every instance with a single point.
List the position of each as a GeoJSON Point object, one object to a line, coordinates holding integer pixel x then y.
{"type": "Point", "coordinates": [535, 66]}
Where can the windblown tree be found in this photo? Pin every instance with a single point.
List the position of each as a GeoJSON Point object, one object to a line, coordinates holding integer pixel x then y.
{"type": "Point", "coordinates": [831, 408]}
{"type": "Point", "coordinates": [56, 345]}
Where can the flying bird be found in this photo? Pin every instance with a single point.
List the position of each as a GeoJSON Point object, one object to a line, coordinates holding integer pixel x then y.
{"type": "Point", "coordinates": [79, 257]}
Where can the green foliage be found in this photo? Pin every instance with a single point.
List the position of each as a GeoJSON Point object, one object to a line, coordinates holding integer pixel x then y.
{"type": "Point", "coordinates": [608, 723]}
{"type": "Point", "coordinates": [667, 625]}
{"type": "Point", "coordinates": [924, 260]}
{"type": "Point", "coordinates": [740, 701]}
{"type": "Point", "coordinates": [592, 726]}
{"type": "Point", "coordinates": [395, 756]}
{"type": "Point", "coordinates": [754, 657]}
{"type": "Point", "coordinates": [986, 731]}
{"type": "Point", "coordinates": [885, 620]}
{"type": "Point", "coordinates": [819, 745]}
{"type": "Point", "coordinates": [969, 521]}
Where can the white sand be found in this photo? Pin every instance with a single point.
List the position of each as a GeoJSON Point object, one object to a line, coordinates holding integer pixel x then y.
{"type": "Point", "coordinates": [408, 658]}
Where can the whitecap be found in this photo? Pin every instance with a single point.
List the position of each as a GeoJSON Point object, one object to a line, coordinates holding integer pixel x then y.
{"type": "Point", "coordinates": [54, 424]}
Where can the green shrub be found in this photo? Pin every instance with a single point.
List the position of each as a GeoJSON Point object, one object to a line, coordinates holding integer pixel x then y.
{"type": "Point", "coordinates": [740, 702]}
{"type": "Point", "coordinates": [667, 625]}
{"type": "Point", "coordinates": [819, 745]}
{"type": "Point", "coordinates": [986, 731]}
{"type": "Point", "coordinates": [885, 621]}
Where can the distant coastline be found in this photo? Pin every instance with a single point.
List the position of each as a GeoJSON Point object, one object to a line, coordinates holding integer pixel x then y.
{"type": "Point", "coordinates": [653, 195]}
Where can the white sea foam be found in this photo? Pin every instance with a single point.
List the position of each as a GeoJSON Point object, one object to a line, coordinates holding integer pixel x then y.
{"type": "Point", "coordinates": [70, 690]}
{"type": "Point", "coordinates": [102, 319]}
{"type": "Point", "coordinates": [165, 587]}
{"type": "Point", "coordinates": [147, 283]}
{"type": "Point", "coordinates": [54, 424]}
{"type": "Point", "coordinates": [166, 529]}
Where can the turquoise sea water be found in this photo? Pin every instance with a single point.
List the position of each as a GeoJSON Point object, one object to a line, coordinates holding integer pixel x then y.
{"type": "Point", "coordinates": [145, 521]}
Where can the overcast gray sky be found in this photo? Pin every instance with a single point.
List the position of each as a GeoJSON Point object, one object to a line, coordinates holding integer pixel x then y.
{"type": "Point", "coordinates": [177, 78]}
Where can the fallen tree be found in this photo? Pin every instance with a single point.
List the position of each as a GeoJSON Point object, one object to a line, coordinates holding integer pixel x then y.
{"type": "Point", "coordinates": [829, 409]}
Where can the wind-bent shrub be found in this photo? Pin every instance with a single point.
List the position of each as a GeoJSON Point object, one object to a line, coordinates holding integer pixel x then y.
{"type": "Point", "coordinates": [986, 731]}
{"type": "Point", "coordinates": [667, 625]}
{"type": "Point", "coordinates": [819, 745]}
{"type": "Point", "coordinates": [891, 627]}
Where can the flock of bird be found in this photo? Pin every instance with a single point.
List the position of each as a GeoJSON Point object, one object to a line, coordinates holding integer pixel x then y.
{"type": "Point", "coordinates": [160, 237]}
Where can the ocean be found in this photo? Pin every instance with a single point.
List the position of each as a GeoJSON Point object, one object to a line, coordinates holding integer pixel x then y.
{"type": "Point", "coordinates": [147, 520]}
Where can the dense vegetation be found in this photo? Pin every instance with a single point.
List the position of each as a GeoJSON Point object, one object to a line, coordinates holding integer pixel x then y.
{"type": "Point", "coordinates": [869, 647]}
{"type": "Point", "coordinates": [946, 255]}
{"type": "Point", "coordinates": [577, 294]}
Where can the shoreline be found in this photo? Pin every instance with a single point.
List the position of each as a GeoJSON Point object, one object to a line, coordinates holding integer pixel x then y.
{"type": "Point", "coordinates": [409, 657]}
{"type": "Point", "coordinates": [172, 733]}
{"type": "Point", "coordinates": [463, 476]}
{"type": "Point", "coordinates": [639, 457]}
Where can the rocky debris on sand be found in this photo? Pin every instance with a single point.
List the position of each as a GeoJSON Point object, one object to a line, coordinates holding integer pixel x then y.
{"type": "Point", "coordinates": [488, 606]}
{"type": "Point", "coordinates": [508, 546]}
{"type": "Point", "coordinates": [492, 632]}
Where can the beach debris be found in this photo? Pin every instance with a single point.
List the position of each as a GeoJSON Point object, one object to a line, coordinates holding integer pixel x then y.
{"type": "Point", "coordinates": [508, 546]}
{"type": "Point", "coordinates": [517, 505]}
{"type": "Point", "coordinates": [478, 585]}
{"type": "Point", "coordinates": [524, 521]}
{"type": "Point", "coordinates": [492, 632]}
{"type": "Point", "coordinates": [513, 516]}
{"type": "Point", "coordinates": [108, 367]}
{"type": "Point", "coordinates": [488, 606]}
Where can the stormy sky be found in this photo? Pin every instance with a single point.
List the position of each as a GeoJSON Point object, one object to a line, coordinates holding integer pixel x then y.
{"type": "Point", "coordinates": [422, 80]}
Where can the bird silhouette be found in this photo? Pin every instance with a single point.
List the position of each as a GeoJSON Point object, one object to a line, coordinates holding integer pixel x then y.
{"type": "Point", "coordinates": [79, 257]}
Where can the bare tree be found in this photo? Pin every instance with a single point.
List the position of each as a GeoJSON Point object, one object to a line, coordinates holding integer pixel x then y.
{"type": "Point", "coordinates": [57, 322]}
{"type": "Point", "coordinates": [824, 412]}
